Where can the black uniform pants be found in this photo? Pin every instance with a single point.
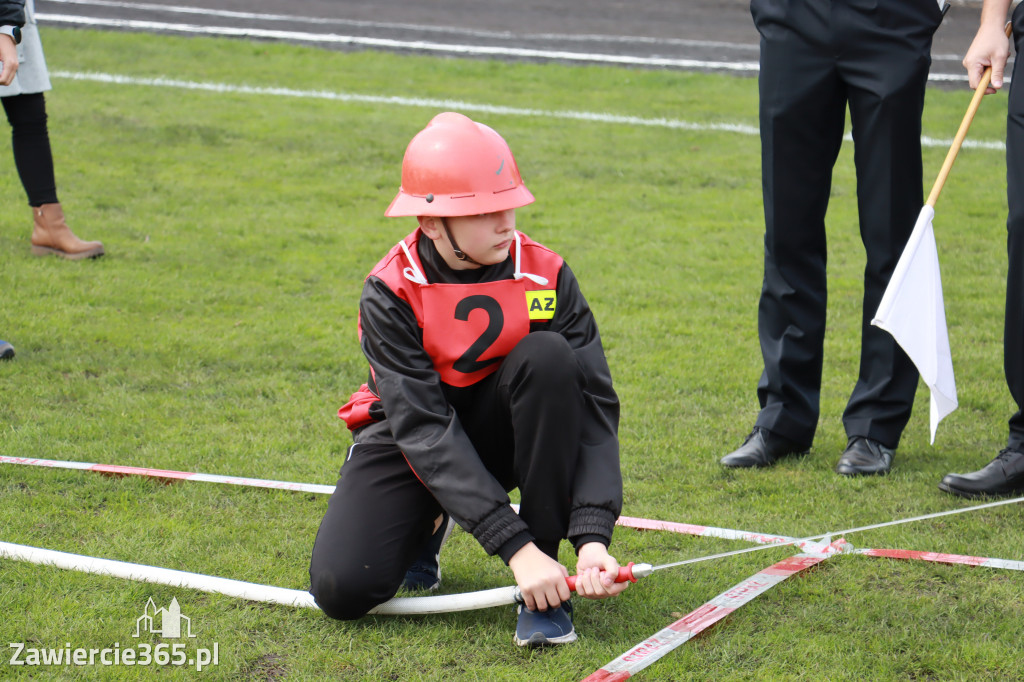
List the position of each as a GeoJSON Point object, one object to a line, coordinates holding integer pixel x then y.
{"type": "Point", "coordinates": [817, 58]}
{"type": "Point", "coordinates": [30, 141]}
{"type": "Point", "coordinates": [1013, 334]}
{"type": "Point", "coordinates": [524, 421]}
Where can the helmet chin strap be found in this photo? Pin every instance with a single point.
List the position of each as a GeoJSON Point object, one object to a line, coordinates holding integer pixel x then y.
{"type": "Point", "coordinates": [459, 253]}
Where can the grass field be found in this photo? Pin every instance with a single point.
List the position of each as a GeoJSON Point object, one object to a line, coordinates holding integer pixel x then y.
{"type": "Point", "coordinates": [218, 335]}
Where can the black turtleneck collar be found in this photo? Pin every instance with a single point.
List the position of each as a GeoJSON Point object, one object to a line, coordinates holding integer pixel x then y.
{"type": "Point", "coordinates": [438, 272]}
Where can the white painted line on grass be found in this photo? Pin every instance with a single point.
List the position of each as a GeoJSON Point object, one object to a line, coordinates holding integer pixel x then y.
{"type": "Point", "coordinates": [408, 45]}
{"type": "Point", "coordinates": [458, 105]}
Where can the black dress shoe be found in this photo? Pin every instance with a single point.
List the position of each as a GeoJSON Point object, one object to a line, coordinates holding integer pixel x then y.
{"type": "Point", "coordinates": [762, 448]}
{"type": "Point", "coordinates": [864, 457]}
{"type": "Point", "coordinates": [1003, 476]}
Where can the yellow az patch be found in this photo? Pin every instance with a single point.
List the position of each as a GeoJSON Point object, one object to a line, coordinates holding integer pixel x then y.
{"type": "Point", "coordinates": [541, 304]}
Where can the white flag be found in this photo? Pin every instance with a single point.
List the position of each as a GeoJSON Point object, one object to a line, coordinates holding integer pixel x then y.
{"type": "Point", "coordinates": [913, 312]}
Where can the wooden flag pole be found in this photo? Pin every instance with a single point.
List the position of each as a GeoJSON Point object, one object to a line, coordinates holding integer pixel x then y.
{"type": "Point", "coordinates": [979, 92]}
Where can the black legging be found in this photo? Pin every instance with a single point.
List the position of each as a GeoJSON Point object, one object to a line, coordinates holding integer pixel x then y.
{"type": "Point", "coordinates": [31, 143]}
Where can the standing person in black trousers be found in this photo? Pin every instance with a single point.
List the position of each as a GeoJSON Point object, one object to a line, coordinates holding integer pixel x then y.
{"type": "Point", "coordinates": [1004, 475]}
{"type": "Point", "coordinates": [817, 57]}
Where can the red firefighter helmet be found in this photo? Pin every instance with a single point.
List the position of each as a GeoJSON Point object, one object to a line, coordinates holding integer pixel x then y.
{"type": "Point", "coordinates": [457, 167]}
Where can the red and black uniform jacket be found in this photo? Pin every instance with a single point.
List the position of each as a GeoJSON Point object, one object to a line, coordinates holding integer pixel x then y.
{"type": "Point", "coordinates": [421, 340]}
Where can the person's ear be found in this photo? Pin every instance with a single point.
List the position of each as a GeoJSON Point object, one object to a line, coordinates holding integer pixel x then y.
{"type": "Point", "coordinates": [430, 226]}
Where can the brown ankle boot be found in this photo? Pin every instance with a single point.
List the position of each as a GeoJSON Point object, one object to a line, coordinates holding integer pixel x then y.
{"type": "Point", "coordinates": [51, 235]}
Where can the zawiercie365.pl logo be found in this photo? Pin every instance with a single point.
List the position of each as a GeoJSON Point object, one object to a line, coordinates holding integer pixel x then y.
{"type": "Point", "coordinates": [167, 623]}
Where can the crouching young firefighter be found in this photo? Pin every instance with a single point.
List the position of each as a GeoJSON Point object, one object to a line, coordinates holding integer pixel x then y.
{"type": "Point", "coordinates": [486, 374]}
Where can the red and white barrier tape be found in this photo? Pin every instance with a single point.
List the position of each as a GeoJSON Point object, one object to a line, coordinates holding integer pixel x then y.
{"type": "Point", "coordinates": [621, 668]}
{"type": "Point", "coordinates": [169, 476]}
{"type": "Point", "coordinates": [695, 622]}
{"type": "Point", "coordinates": [703, 531]}
{"type": "Point", "coordinates": [938, 557]}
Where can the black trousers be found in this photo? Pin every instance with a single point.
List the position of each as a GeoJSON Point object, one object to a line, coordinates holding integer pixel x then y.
{"type": "Point", "coordinates": [817, 58]}
{"type": "Point", "coordinates": [30, 140]}
{"type": "Point", "coordinates": [1013, 333]}
{"type": "Point", "coordinates": [380, 515]}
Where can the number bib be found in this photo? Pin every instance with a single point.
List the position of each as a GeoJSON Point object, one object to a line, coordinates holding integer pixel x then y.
{"type": "Point", "coordinates": [469, 328]}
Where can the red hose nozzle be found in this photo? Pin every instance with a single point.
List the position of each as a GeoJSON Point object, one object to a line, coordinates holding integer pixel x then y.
{"type": "Point", "coordinates": [626, 574]}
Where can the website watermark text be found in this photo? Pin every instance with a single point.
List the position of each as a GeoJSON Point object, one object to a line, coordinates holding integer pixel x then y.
{"type": "Point", "coordinates": [143, 654]}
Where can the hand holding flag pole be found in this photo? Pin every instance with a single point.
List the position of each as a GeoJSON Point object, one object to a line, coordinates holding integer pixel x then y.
{"type": "Point", "coordinates": [912, 308]}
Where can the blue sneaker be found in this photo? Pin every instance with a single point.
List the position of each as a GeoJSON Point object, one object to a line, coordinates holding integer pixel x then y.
{"type": "Point", "coordinates": [6, 351]}
{"type": "Point", "coordinates": [545, 628]}
{"type": "Point", "coordinates": [425, 571]}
